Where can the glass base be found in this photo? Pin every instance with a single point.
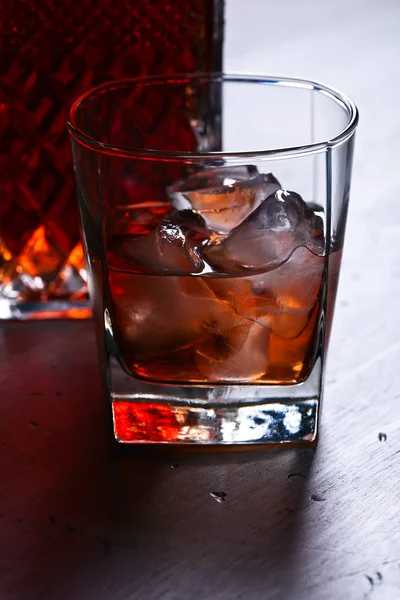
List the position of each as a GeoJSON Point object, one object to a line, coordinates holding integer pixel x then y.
{"type": "Point", "coordinates": [146, 413]}
{"type": "Point", "coordinates": [57, 309]}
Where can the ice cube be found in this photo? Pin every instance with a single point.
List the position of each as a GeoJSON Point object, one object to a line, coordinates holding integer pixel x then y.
{"type": "Point", "coordinates": [224, 196]}
{"type": "Point", "coordinates": [170, 247]}
{"type": "Point", "coordinates": [268, 236]}
{"type": "Point", "coordinates": [238, 355]}
{"type": "Point", "coordinates": [285, 298]}
{"type": "Point", "coordinates": [237, 292]}
{"type": "Point", "coordinates": [154, 316]}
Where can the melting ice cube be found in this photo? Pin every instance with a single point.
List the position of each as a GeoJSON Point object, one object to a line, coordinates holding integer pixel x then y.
{"type": "Point", "coordinates": [170, 247]}
{"type": "Point", "coordinates": [268, 236]}
{"type": "Point", "coordinates": [224, 196]}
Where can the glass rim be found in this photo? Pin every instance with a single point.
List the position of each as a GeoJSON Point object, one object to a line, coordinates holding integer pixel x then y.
{"type": "Point", "coordinates": [231, 156]}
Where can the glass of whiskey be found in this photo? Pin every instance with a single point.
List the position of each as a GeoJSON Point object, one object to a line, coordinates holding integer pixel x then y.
{"type": "Point", "coordinates": [213, 242]}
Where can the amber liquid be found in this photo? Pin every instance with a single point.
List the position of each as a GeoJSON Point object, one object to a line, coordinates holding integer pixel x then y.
{"type": "Point", "coordinates": [213, 329]}
{"type": "Point", "coordinates": [51, 53]}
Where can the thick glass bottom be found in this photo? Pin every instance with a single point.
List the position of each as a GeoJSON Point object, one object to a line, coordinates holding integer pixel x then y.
{"type": "Point", "coordinates": [147, 413]}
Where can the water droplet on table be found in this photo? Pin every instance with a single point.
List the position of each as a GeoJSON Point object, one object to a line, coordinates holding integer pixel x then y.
{"type": "Point", "coordinates": [295, 476]}
{"type": "Point", "coordinates": [317, 498]}
{"type": "Point", "coordinates": [218, 496]}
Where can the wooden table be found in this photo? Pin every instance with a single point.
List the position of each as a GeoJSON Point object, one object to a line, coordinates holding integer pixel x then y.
{"type": "Point", "coordinates": [82, 519]}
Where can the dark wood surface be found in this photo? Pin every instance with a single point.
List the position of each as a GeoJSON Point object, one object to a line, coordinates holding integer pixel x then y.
{"type": "Point", "coordinates": [83, 519]}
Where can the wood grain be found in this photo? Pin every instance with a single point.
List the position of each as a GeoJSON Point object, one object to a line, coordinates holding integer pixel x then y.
{"type": "Point", "coordinates": [81, 518]}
